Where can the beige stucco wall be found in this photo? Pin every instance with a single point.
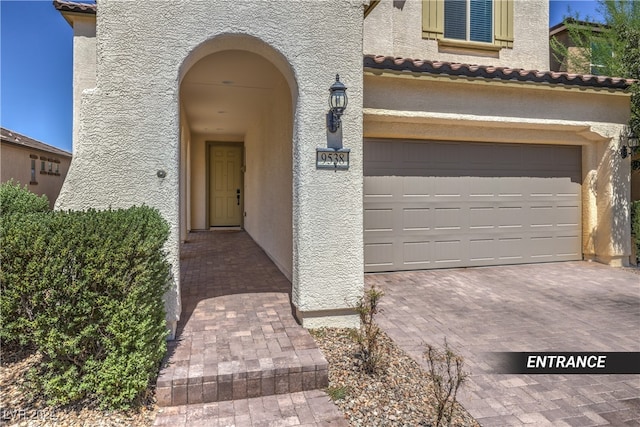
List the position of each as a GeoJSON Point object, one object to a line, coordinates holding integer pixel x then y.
{"type": "Point", "coordinates": [185, 174]}
{"type": "Point", "coordinates": [475, 110]}
{"type": "Point", "coordinates": [84, 63]}
{"type": "Point", "coordinates": [268, 180]}
{"type": "Point", "coordinates": [635, 184]}
{"type": "Point", "coordinates": [15, 164]}
{"type": "Point", "coordinates": [129, 127]}
{"type": "Point", "coordinates": [394, 28]}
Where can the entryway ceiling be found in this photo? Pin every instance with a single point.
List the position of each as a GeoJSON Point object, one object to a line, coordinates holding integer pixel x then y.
{"type": "Point", "coordinates": [224, 92]}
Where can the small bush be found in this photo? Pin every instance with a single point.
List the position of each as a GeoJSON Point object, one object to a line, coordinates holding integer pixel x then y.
{"type": "Point", "coordinates": [446, 372]}
{"type": "Point", "coordinates": [15, 199]}
{"type": "Point", "coordinates": [635, 225]}
{"type": "Point", "coordinates": [369, 333]}
{"type": "Point", "coordinates": [86, 289]}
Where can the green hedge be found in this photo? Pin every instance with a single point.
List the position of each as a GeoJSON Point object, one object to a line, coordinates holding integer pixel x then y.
{"type": "Point", "coordinates": [14, 199]}
{"type": "Point", "coordinates": [86, 290]}
{"type": "Point", "coordinates": [635, 225]}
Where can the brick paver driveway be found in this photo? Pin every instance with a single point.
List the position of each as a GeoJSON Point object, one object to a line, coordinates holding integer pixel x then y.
{"type": "Point", "coordinates": [571, 306]}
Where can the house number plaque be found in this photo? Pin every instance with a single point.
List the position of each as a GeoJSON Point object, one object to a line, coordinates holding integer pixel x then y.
{"type": "Point", "coordinates": [330, 158]}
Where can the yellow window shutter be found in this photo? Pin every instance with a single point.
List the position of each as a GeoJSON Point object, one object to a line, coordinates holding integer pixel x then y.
{"type": "Point", "coordinates": [432, 19]}
{"type": "Point", "coordinates": [503, 22]}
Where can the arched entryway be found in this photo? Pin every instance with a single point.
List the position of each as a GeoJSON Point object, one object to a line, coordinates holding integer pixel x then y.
{"type": "Point", "coordinates": [236, 113]}
{"type": "Point", "coordinates": [236, 139]}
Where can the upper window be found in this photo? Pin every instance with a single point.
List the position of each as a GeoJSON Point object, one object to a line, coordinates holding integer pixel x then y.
{"type": "Point", "coordinates": [469, 20]}
{"type": "Point", "coordinates": [483, 21]}
{"type": "Point", "coordinates": [599, 54]}
{"type": "Point", "coordinates": [33, 172]}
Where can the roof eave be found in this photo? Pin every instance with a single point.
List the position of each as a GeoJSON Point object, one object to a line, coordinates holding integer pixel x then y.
{"type": "Point", "coordinates": [494, 74]}
{"type": "Point", "coordinates": [71, 11]}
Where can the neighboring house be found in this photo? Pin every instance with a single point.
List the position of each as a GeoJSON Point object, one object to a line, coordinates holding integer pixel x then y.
{"type": "Point", "coordinates": [41, 167]}
{"type": "Point", "coordinates": [579, 62]}
{"type": "Point", "coordinates": [214, 112]}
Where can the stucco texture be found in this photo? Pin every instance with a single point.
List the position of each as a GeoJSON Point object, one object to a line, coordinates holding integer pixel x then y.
{"type": "Point", "coordinates": [394, 28]}
{"type": "Point", "coordinates": [129, 126]}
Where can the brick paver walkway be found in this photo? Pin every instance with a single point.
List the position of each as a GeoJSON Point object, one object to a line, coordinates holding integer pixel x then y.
{"type": "Point", "coordinates": [237, 340]}
{"type": "Point", "coordinates": [303, 409]}
{"type": "Point", "coordinates": [573, 306]}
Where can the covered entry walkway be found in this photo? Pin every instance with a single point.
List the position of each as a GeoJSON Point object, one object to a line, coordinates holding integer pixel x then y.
{"type": "Point", "coordinates": [237, 337]}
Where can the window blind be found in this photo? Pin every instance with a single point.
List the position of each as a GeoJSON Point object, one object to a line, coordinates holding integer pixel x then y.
{"type": "Point", "coordinates": [455, 19]}
{"type": "Point", "coordinates": [480, 25]}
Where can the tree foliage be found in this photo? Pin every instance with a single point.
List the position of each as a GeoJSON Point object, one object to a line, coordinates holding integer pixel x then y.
{"type": "Point", "coordinates": [611, 48]}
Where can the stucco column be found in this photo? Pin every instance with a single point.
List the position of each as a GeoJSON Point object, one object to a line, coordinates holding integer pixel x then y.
{"type": "Point", "coordinates": [613, 236]}
{"type": "Point", "coordinates": [328, 255]}
{"type": "Point", "coordinates": [589, 200]}
{"type": "Point", "coordinates": [84, 66]}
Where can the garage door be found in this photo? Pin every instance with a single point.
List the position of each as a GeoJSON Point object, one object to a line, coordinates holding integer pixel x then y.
{"type": "Point", "coordinates": [431, 204]}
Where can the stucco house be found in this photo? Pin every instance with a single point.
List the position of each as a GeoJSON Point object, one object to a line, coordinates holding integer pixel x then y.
{"type": "Point", "coordinates": [39, 166]}
{"type": "Point", "coordinates": [216, 113]}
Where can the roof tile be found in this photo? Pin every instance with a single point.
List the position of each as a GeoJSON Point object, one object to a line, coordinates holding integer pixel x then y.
{"type": "Point", "coordinates": [71, 6]}
{"type": "Point", "coordinates": [491, 72]}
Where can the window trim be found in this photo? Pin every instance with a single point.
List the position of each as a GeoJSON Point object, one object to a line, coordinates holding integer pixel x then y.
{"type": "Point", "coordinates": [469, 47]}
{"type": "Point", "coordinates": [469, 44]}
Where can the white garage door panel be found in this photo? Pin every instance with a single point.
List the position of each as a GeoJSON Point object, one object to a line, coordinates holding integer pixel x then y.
{"type": "Point", "coordinates": [424, 210]}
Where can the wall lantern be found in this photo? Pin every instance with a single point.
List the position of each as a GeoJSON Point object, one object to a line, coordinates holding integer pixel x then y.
{"type": "Point", "coordinates": [631, 146]}
{"type": "Point", "coordinates": [337, 104]}
{"type": "Point", "coordinates": [334, 155]}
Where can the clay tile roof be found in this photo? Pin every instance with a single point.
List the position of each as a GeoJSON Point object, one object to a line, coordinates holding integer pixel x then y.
{"type": "Point", "coordinates": [70, 6]}
{"type": "Point", "coordinates": [15, 138]}
{"type": "Point", "coordinates": [493, 73]}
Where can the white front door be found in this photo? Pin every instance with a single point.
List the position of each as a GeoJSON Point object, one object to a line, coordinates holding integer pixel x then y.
{"type": "Point", "coordinates": [225, 185]}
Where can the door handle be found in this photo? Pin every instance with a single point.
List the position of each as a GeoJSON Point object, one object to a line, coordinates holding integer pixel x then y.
{"type": "Point", "coordinates": [238, 196]}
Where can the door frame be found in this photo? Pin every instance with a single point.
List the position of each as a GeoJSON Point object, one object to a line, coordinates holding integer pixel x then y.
{"type": "Point", "coordinates": [209, 170]}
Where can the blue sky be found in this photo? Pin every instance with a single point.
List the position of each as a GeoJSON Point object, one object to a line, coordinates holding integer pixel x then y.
{"type": "Point", "coordinates": [36, 50]}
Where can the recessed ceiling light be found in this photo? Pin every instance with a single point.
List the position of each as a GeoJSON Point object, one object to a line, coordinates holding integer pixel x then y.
{"type": "Point", "coordinates": [222, 112]}
{"type": "Point", "coordinates": [227, 82]}
{"type": "Point", "coordinates": [218, 128]}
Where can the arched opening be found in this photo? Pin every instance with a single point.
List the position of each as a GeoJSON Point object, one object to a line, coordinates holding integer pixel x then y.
{"type": "Point", "coordinates": [237, 97]}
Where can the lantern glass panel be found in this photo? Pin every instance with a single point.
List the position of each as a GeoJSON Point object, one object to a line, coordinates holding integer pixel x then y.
{"type": "Point", "coordinates": [338, 99]}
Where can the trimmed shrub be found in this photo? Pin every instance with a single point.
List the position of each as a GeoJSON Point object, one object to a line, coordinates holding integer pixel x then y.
{"type": "Point", "coordinates": [15, 199]}
{"type": "Point", "coordinates": [635, 225]}
{"type": "Point", "coordinates": [23, 241]}
{"type": "Point", "coordinates": [86, 290]}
